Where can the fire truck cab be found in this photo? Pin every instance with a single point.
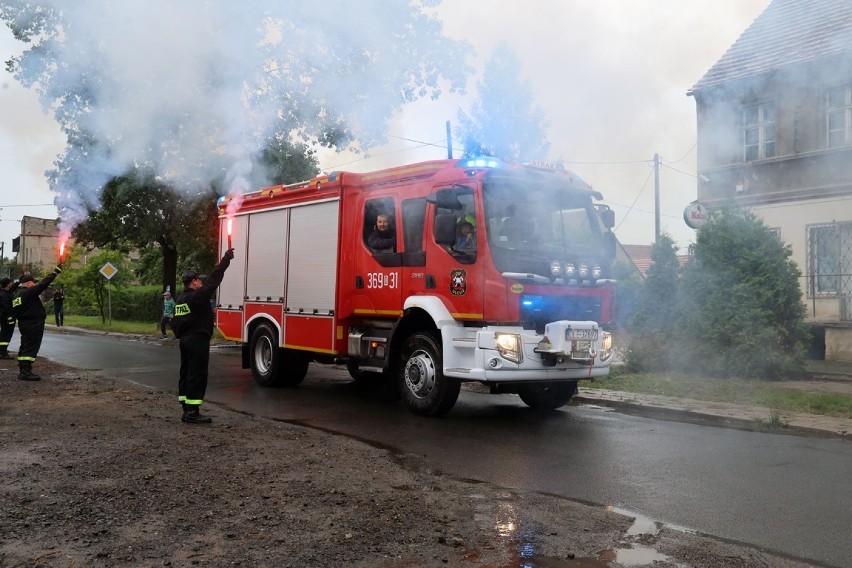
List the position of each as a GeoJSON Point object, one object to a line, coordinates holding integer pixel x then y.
{"type": "Point", "coordinates": [487, 272]}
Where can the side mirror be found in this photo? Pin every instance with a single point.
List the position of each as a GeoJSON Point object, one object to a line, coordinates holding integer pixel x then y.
{"type": "Point", "coordinates": [607, 217]}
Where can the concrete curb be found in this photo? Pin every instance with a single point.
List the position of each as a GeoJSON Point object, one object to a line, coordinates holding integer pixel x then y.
{"type": "Point", "coordinates": [757, 419]}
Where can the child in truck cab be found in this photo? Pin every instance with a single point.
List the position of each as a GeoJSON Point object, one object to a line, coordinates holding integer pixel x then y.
{"type": "Point", "coordinates": [466, 237]}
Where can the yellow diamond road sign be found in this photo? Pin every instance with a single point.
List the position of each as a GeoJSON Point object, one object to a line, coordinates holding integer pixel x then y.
{"type": "Point", "coordinates": [108, 270]}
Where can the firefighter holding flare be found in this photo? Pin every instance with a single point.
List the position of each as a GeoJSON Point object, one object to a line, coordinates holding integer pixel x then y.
{"type": "Point", "coordinates": [193, 325]}
{"type": "Point", "coordinates": [30, 313]}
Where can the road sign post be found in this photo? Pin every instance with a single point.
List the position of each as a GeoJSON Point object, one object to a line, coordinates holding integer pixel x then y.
{"type": "Point", "coordinates": [109, 270]}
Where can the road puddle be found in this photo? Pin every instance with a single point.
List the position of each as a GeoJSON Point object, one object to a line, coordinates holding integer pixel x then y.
{"type": "Point", "coordinates": [632, 550]}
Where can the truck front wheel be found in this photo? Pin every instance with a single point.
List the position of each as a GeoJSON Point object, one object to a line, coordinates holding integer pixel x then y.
{"type": "Point", "coordinates": [547, 396]}
{"type": "Point", "coordinates": [424, 388]}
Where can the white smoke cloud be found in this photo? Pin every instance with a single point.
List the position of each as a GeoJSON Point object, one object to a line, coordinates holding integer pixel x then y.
{"type": "Point", "coordinates": [189, 90]}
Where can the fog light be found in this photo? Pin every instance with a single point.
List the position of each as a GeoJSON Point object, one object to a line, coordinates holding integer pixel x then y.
{"type": "Point", "coordinates": [509, 346]}
{"type": "Point", "coordinates": [555, 269]}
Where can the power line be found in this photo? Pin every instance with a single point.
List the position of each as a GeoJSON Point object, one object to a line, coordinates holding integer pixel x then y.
{"type": "Point", "coordinates": [679, 171]}
{"type": "Point", "coordinates": [638, 195]}
{"type": "Point", "coordinates": [688, 152]}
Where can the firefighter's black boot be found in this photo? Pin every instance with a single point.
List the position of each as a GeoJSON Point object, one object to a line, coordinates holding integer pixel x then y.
{"type": "Point", "coordinates": [26, 371]}
{"type": "Point", "coordinates": [4, 353]}
{"type": "Point", "coordinates": [192, 416]}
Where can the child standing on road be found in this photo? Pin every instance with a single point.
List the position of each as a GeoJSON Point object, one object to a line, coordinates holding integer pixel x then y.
{"type": "Point", "coordinates": [168, 313]}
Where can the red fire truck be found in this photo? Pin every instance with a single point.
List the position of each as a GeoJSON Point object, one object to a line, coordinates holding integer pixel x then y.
{"type": "Point", "coordinates": [521, 305]}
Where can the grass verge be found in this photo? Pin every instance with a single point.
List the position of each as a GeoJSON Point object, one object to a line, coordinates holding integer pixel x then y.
{"type": "Point", "coordinates": [739, 391]}
{"type": "Point", "coordinates": [147, 328]}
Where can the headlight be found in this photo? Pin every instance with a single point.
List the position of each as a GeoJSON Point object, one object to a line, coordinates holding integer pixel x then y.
{"type": "Point", "coordinates": [509, 346]}
{"type": "Point", "coordinates": [584, 271]}
{"type": "Point", "coordinates": [555, 268]}
{"type": "Point", "coordinates": [596, 272]}
{"type": "Point", "coordinates": [606, 346]}
{"type": "Point", "coordinates": [569, 270]}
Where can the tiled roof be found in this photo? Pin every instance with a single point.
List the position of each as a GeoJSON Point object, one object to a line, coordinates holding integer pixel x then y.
{"type": "Point", "coordinates": [640, 256]}
{"type": "Point", "coordinates": [787, 32]}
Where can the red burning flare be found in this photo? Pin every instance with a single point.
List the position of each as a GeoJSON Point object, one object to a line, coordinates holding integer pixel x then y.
{"type": "Point", "coordinates": [230, 228]}
{"type": "Point", "coordinates": [61, 251]}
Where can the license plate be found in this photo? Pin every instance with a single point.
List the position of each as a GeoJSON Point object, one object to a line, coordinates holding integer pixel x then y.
{"type": "Point", "coordinates": [591, 334]}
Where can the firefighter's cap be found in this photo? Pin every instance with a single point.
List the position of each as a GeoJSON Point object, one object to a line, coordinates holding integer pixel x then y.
{"type": "Point", "coordinates": [191, 275]}
{"type": "Point", "coordinates": [28, 278]}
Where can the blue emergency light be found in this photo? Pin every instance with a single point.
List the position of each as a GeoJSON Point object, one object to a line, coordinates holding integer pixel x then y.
{"type": "Point", "coordinates": [479, 162]}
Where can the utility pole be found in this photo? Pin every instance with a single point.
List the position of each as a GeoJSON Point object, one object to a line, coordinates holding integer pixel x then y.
{"type": "Point", "coordinates": [656, 198]}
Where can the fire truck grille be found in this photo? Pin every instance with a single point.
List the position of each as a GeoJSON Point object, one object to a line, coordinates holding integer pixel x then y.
{"type": "Point", "coordinates": [539, 310]}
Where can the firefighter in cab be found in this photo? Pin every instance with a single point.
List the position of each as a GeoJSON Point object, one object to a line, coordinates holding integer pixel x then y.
{"type": "Point", "coordinates": [30, 313]}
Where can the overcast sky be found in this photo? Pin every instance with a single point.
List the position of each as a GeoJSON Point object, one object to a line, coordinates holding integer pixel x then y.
{"type": "Point", "coordinates": [610, 75]}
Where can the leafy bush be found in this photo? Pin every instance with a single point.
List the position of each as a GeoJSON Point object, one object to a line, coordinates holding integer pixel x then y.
{"type": "Point", "coordinates": [740, 304]}
{"type": "Point", "coordinates": [650, 325]}
{"type": "Point", "coordinates": [735, 309]}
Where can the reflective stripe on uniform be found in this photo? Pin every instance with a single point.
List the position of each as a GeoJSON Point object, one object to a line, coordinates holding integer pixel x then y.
{"type": "Point", "coordinates": [26, 358]}
{"type": "Point", "coordinates": [4, 344]}
{"type": "Point", "coordinates": [182, 310]}
{"type": "Point", "coordinates": [16, 302]}
{"type": "Point", "coordinates": [181, 398]}
{"type": "Point", "coordinates": [193, 402]}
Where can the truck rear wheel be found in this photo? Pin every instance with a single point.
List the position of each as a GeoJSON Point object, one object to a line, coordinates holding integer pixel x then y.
{"type": "Point", "coordinates": [424, 388]}
{"type": "Point", "coordinates": [547, 396]}
{"type": "Point", "coordinates": [264, 356]}
{"type": "Point", "coordinates": [292, 368]}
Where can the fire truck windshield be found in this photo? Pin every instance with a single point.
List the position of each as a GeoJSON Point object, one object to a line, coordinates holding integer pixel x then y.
{"type": "Point", "coordinates": [535, 220]}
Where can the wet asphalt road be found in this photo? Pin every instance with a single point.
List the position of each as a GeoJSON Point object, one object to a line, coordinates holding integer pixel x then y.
{"type": "Point", "coordinates": [785, 493]}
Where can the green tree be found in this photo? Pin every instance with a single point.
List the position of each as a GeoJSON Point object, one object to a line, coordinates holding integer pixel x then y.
{"type": "Point", "coordinates": [139, 213]}
{"type": "Point", "coordinates": [650, 326]}
{"type": "Point", "coordinates": [85, 285]}
{"type": "Point", "coordinates": [740, 310]}
{"type": "Point", "coordinates": [504, 121]}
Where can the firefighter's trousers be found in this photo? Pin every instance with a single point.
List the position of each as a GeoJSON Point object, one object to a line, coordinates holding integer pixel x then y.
{"type": "Point", "coordinates": [31, 334]}
{"type": "Point", "coordinates": [194, 357]}
{"type": "Point", "coordinates": [6, 331]}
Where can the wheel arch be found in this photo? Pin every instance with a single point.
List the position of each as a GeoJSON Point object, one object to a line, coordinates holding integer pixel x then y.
{"type": "Point", "coordinates": [259, 319]}
{"type": "Point", "coordinates": [420, 313]}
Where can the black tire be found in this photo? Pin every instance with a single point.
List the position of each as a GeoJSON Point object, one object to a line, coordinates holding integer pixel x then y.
{"type": "Point", "coordinates": [422, 384]}
{"type": "Point", "coordinates": [547, 396]}
{"type": "Point", "coordinates": [265, 356]}
{"type": "Point", "coordinates": [292, 368]}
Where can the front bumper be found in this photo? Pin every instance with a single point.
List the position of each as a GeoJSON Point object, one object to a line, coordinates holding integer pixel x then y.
{"type": "Point", "coordinates": [568, 350]}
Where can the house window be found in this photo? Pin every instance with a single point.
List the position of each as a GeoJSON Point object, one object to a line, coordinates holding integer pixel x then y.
{"type": "Point", "coordinates": [759, 131]}
{"type": "Point", "coordinates": [823, 260]}
{"type": "Point", "coordinates": [838, 116]}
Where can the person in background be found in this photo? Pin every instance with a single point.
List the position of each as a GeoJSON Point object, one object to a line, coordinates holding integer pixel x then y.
{"type": "Point", "coordinates": [383, 236]}
{"type": "Point", "coordinates": [59, 306]}
{"type": "Point", "coordinates": [193, 325]}
{"type": "Point", "coordinates": [29, 311]}
{"type": "Point", "coordinates": [7, 320]}
{"type": "Point", "coordinates": [168, 313]}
